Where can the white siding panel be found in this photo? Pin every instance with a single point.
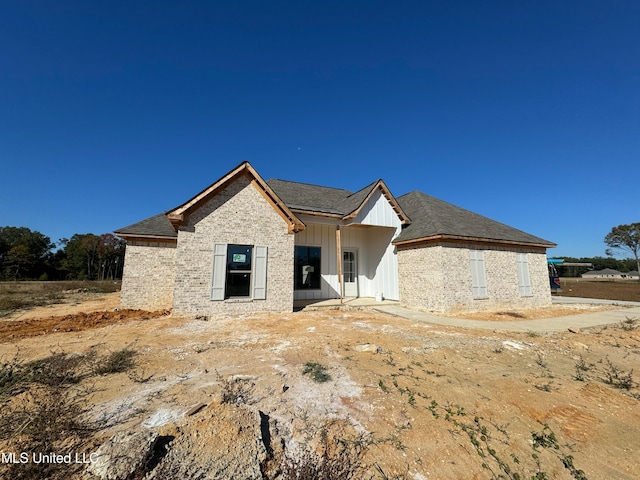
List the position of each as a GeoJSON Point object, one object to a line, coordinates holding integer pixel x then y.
{"type": "Point", "coordinates": [378, 211]}
{"type": "Point", "coordinates": [323, 236]}
{"type": "Point", "coordinates": [377, 260]}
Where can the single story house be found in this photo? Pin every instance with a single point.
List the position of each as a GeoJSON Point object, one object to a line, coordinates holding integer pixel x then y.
{"type": "Point", "coordinates": [244, 244]}
{"type": "Point", "coordinates": [604, 273]}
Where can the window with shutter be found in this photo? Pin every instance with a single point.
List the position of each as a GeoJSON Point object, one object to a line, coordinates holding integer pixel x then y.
{"type": "Point", "coordinates": [239, 271]}
{"type": "Point", "coordinates": [478, 275]}
{"type": "Point", "coordinates": [524, 279]}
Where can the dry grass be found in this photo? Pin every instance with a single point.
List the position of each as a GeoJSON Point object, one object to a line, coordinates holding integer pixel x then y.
{"type": "Point", "coordinates": [25, 295]}
{"type": "Point", "coordinates": [606, 289]}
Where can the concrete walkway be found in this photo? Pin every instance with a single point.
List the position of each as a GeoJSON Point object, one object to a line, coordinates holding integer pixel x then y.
{"type": "Point", "coordinates": [556, 324]}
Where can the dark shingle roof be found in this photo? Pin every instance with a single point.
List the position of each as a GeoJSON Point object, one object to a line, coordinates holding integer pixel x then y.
{"type": "Point", "coordinates": [431, 216]}
{"type": "Point", "coordinates": [303, 196]}
{"type": "Point", "coordinates": [156, 226]}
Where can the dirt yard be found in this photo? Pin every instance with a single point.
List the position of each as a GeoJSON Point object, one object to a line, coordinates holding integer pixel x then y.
{"type": "Point", "coordinates": [610, 289]}
{"type": "Point", "coordinates": [433, 402]}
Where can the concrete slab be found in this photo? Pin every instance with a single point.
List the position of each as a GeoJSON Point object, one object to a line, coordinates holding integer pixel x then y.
{"type": "Point", "coordinates": [556, 324]}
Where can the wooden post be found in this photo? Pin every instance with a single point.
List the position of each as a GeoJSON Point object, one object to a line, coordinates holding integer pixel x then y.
{"type": "Point", "coordinates": [339, 255]}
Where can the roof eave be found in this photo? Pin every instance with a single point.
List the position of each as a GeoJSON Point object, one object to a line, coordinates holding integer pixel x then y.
{"type": "Point", "coordinates": [464, 239]}
{"type": "Point", "coordinates": [146, 237]}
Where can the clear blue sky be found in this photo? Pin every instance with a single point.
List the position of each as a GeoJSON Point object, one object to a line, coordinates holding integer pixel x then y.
{"type": "Point", "coordinates": [526, 112]}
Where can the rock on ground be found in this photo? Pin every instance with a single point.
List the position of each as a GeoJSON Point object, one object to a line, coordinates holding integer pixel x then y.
{"type": "Point", "coordinates": [123, 455]}
{"type": "Point", "coordinates": [221, 441]}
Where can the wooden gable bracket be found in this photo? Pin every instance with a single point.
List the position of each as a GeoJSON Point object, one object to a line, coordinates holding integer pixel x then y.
{"type": "Point", "coordinates": [179, 216]}
{"type": "Point", "coordinates": [380, 185]}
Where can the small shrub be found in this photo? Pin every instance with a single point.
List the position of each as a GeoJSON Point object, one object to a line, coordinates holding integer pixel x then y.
{"type": "Point", "coordinates": [581, 367]}
{"type": "Point", "coordinates": [116, 362]}
{"type": "Point", "coordinates": [618, 378]}
{"type": "Point", "coordinates": [540, 361]}
{"type": "Point", "coordinates": [335, 459]}
{"type": "Point", "coordinates": [629, 324]}
{"type": "Point", "coordinates": [317, 371]}
{"type": "Point", "coordinates": [382, 386]}
{"type": "Point", "coordinates": [235, 391]}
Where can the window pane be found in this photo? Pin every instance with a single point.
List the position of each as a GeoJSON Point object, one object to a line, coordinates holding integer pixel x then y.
{"type": "Point", "coordinates": [238, 284]}
{"type": "Point", "coordinates": [239, 257]}
{"type": "Point", "coordinates": [307, 268]}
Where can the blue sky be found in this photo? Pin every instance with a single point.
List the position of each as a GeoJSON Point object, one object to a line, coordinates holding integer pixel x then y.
{"type": "Point", "coordinates": [526, 112]}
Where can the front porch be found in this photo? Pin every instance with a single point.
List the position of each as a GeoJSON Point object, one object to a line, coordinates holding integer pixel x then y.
{"type": "Point", "coordinates": [336, 303]}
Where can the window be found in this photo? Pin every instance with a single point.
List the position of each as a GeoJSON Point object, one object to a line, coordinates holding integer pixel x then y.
{"type": "Point", "coordinates": [306, 275]}
{"type": "Point", "coordinates": [238, 282]}
{"type": "Point", "coordinates": [478, 276]}
{"type": "Point", "coordinates": [239, 271]}
{"type": "Point", "coordinates": [524, 279]}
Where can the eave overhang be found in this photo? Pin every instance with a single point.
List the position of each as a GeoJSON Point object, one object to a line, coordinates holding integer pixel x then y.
{"type": "Point", "coordinates": [433, 239]}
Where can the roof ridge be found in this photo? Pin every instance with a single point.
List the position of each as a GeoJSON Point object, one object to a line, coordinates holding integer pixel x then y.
{"type": "Point", "coordinates": [310, 185]}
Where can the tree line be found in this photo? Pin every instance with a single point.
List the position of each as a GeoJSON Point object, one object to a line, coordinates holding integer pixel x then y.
{"type": "Point", "coordinates": [599, 263]}
{"type": "Point", "coordinates": [31, 255]}
{"type": "Point", "coordinates": [623, 238]}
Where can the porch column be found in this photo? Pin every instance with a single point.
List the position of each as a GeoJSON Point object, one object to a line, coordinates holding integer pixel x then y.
{"type": "Point", "coordinates": [339, 255]}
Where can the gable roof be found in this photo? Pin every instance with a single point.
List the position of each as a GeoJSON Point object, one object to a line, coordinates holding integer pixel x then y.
{"type": "Point", "coordinates": [179, 215]}
{"type": "Point", "coordinates": [425, 218]}
{"type": "Point", "coordinates": [157, 226]}
{"type": "Point", "coordinates": [335, 202]}
{"type": "Point", "coordinates": [434, 219]}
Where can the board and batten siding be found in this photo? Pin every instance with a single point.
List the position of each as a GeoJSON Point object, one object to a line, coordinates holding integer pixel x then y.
{"type": "Point", "coordinates": [378, 212]}
{"type": "Point", "coordinates": [370, 235]}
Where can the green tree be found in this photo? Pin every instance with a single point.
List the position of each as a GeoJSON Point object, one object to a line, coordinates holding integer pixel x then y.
{"type": "Point", "coordinates": [23, 252]}
{"type": "Point", "coordinates": [81, 256]}
{"type": "Point", "coordinates": [625, 238]}
{"type": "Point", "coordinates": [110, 256]}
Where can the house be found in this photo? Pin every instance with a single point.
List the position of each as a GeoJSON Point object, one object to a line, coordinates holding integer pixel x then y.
{"type": "Point", "coordinates": [609, 273]}
{"type": "Point", "coordinates": [244, 244]}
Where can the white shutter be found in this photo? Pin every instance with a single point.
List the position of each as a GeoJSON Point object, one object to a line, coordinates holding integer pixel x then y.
{"type": "Point", "coordinates": [260, 273]}
{"type": "Point", "coordinates": [478, 276]}
{"type": "Point", "coordinates": [524, 279]}
{"type": "Point", "coordinates": [219, 271]}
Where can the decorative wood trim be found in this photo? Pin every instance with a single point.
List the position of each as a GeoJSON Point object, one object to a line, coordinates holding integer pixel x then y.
{"type": "Point", "coordinates": [179, 215]}
{"type": "Point", "coordinates": [317, 214]}
{"type": "Point", "coordinates": [380, 185]}
{"type": "Point", "coordinates": [434, 239]}
{"type": "Point", "coordinates": [147, 238]}
{"type": "Point", "coordinates": [339, 256]}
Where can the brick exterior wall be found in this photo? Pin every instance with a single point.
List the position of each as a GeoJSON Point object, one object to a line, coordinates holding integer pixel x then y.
{"type": "Point", "coordinates": [438, 278]}
{"type": "Point", "coordinates": [148, 277]}
{"type": "Point", "coordinates": [237, 214]}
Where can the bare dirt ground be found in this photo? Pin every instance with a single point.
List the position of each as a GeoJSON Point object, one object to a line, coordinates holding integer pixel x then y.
{"type": "Point", "coordinates": [435, 402]}
{"type": "Point", "coordinates": [603, 288]}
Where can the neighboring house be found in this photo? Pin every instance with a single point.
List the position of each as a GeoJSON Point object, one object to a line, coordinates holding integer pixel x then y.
{"type": "Point", "coordinates": [244, 245]}
{"type": "Point", "coordinates": [604, 273]}
{"type": "Point", "coordinates": [633, 275]}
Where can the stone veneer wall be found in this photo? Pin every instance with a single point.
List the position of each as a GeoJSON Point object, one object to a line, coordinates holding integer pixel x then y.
{"type": "Point", "coordinates": [438, 278]}
{"type": "Point", "coordinates": [148, 277]}
{"type": "Point", "coordinates": [238, 214]}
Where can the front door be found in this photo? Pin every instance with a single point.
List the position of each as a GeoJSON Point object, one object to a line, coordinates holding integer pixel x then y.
{"type": "Point", "coordinates": [350, 273]}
